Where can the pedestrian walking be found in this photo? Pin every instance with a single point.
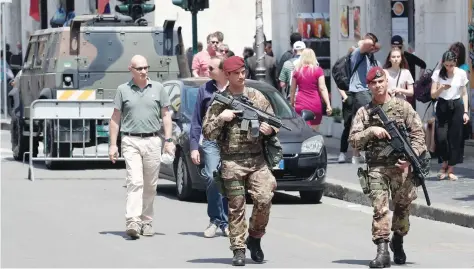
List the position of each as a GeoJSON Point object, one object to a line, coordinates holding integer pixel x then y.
{"type": "Point", "coordinates": [217, 208]}
{"type": "Point", "coordinates": [412, 60]}
{"type": "Point", "coordinates": [449, 86]}
{"type": "Point", "coordinates": [242, 164]}
{"type": "Point", "coordinates": [200, 64]}
{"type": "Point", "coordinates": [138, 107]}
{"type": "Point", "coordinates": [387, 173]}
{"type": "Point", "coordinates": [312, 91]}
{"type": "Point", "coordinates": [400, 81]}
{"type": "Point", "coordinates": [286, 74]}
{"type": "Point", "coordinates": [362, 59]}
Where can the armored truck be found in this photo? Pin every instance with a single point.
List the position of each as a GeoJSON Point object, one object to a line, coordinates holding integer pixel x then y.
{"type": "Point", "coordinates": [86, 61]}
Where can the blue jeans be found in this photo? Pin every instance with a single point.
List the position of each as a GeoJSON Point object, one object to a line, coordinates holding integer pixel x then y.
{"type": "Point", "coordinates": [217, 207]}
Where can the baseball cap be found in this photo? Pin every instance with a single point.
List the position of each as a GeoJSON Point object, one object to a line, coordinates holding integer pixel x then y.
{"type": "Point", "coordinates": [374, 72]}
{"type": "Point", "coordinates": [299, 45]}
{"type": "Point", "coordinates": [397, 40]}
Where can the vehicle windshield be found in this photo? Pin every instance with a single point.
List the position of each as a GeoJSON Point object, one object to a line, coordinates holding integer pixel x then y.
{"type": "Point", "coordinates": [281, 108]}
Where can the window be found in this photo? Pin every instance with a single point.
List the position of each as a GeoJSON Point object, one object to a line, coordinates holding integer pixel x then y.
{"type": "Point", "coordinates": [41, 53]}
{"type": "Point", "coordinates": [30, 54]}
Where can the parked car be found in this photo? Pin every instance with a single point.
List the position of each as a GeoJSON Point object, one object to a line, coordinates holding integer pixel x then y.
{"type": "Point", "coordinates": [304, 155]}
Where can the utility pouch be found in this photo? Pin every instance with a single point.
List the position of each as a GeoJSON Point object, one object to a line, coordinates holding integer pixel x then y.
{"type": "Point", "coordinates": [217, 176]}
{"type": "Point", "coordinates": [364, 180]}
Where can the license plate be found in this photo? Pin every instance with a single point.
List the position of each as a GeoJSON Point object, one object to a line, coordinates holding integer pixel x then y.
{"type": "Point", "coordinates": [102, 130]}
{"type": "Point", "coordinates": [280, 165]}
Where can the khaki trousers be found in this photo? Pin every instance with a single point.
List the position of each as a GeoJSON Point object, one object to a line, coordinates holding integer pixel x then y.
{"type": "Point", "coordinates": [142, 158]}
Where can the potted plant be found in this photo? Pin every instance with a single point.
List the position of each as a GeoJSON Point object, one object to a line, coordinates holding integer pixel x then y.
{"type": "Point", "coordinates": [338, 126]}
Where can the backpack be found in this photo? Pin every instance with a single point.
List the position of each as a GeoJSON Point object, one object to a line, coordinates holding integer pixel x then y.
{"type": "Point", "coordinates": [342, 73]}
{"type": "Point", "coordinates": [422, 87]}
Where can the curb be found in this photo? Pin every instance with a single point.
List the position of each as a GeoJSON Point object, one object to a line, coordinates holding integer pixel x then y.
{"type": "Point", "coordinates": [442, 213]}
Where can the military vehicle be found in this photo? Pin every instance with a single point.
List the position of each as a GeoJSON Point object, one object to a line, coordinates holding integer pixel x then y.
{"type": "Point", "coordinates": [88, 61]}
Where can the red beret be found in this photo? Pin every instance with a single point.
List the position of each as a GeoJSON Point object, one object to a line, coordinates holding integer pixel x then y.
{"type": "Point", "coordinates": [233, 63]}
{"type": "Point", "coordinates": [374, 72]}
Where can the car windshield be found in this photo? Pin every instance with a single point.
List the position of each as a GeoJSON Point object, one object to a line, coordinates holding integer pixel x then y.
{"type": "Point", "coordinates": [279, 105]}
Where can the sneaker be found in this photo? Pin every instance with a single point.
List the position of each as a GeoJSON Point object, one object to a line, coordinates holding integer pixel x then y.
{"type": "Point", "coordinates": [210, 230]}
{"type": "Point", "coordinates": [133, 230]}
{"type": "Point", "coordinates": [342, 158]}
{"type": "Point", "coordinates": [147, 230]}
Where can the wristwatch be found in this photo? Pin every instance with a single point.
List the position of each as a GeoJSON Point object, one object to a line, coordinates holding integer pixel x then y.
{"type": "Point", "coordinates": [168, 139]}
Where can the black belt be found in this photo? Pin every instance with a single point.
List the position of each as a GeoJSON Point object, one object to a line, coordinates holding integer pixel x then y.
{"type": "Point", "coordinates": [141, 134]}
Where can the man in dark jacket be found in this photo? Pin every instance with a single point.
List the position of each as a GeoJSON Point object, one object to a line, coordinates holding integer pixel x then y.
{"type": "Point", "coordinates": [217, 207]}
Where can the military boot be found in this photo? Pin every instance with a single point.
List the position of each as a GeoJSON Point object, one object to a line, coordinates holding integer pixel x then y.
{"type": "Point", "coordinates": [396, 245]}
{"type": "Point", "coordinates": [239, 257]}
{"type": "Point", "coordinates": [256, 252]}
{"type": "Point", "coordinates": [382, 259]}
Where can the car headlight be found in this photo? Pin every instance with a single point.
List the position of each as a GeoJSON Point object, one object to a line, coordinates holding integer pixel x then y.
{"type": "Point", "coordinates": [313, 144]}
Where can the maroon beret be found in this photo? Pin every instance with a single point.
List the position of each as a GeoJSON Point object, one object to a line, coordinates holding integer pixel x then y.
{"type": "Point", "coordinates": [374, 72]}
{"type": "Point", "coordinates": [233, 63]}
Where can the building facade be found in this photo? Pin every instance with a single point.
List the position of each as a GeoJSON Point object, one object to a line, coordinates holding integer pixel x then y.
{"type": "Point", "coordinates": [429, 27]}
{"type": "Point", "coordinates": [237, 22]}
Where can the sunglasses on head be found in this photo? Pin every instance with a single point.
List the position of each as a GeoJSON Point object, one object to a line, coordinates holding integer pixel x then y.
{"type": "Point", "coordinates": [141, 68]}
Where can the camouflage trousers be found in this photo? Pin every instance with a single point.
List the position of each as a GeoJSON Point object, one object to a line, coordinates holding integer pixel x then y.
{"type": "Point", "coordinates": [253, 175]}
{"type": "Point", "coordinates": [384, 181]}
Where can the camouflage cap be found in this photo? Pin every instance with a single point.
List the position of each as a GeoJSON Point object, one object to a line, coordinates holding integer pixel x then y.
{"type": "Point", "coordinates": [374, 73]}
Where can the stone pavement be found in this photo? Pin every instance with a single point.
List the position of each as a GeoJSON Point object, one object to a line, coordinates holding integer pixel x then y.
{"type": "Point", "coordinates": [452, 201]}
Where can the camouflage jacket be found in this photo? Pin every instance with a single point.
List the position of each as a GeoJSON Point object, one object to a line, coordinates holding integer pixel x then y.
{"type": "Point", "coordinates": [403, 114]}
{"type": "Point", "coordinates": [228, 135]}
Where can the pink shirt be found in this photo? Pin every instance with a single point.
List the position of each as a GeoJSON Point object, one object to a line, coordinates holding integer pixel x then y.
{"type": "Point", "coordinates": [201, 63]}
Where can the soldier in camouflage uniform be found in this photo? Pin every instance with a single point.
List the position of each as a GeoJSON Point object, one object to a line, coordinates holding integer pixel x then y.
{"type": "Point", "coordinates": [242, 164]}
{"type": "Point", "coordinates": [387, 172]}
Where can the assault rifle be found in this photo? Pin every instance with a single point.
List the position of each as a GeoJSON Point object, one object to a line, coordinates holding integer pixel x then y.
{"type": "Point", "coordinates": [400, 143]}
{"type": "Point", "coordinates": [250, 115]}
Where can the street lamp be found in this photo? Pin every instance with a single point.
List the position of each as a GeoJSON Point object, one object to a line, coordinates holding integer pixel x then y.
{"type": "Point", "coordinates": [259, 42]}
{"type": "Point", "coordinates": [4, 48]}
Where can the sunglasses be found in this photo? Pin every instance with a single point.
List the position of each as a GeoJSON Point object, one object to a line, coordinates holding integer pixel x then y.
{"type": "Point", "coordinates": [215, 42]}
{"type": "Point", "coordinates": [211, 68]}
{"type": "Point", "coordinates": [141, 68]}
{"type": "Point", "coordinates": [223, 51]}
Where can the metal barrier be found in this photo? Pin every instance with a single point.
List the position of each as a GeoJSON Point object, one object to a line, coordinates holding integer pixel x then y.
{"type": "Point", "coordinates": [54, 113]}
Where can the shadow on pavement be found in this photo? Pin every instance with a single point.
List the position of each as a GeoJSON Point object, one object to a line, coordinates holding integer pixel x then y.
{"type": "Point", "coordinates": [201, 234]}
{"type": "Point", "coordinates": [465, 199]}
{"type": "Point", "coordinates": [361, 262]}
{"type": "Point", "coordinates": [122, 234]}
{"type": "Point", "coordinates": [227, 261]}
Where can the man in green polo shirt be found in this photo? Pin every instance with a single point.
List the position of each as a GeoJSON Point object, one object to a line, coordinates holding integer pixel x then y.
{"type": "Point", "coordinates": [138, 106]}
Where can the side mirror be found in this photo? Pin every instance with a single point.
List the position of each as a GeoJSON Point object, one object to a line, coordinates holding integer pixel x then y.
{"type": "Point", "coordinates": [307, 115]}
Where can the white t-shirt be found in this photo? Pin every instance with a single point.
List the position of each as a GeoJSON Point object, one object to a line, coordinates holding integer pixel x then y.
{"type": "Point", "coordinates": [457, 82]}
{"type": "Point", "coordinates": [403, 77]}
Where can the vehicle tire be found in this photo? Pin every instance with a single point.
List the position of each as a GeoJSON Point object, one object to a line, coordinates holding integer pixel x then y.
{"type": "Point", "coordinates": [184, 186]}
{"type": "Point", "coordinates": [20, 143]}
{"type": "Point", "coordinates": [50, 147]}
{"type": "Point", "coordinates": [313, 197]}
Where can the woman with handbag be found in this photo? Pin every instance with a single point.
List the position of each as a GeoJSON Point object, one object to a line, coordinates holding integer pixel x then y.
{"type": "Point", "coordinates": [308, 76]}
{"type": "Point", "coordinates": [400, 80]}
